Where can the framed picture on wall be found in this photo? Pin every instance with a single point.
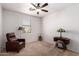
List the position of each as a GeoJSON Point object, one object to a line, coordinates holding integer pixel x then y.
{"type": "Point", "coordinates": [26, 28]}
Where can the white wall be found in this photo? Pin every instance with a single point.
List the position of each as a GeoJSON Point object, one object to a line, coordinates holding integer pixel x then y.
{"type": "Point", "coordinates": [0, 26]}
{"type": "Point", "coordinates": [67, 19]}
{"type": "Point", "coordinates": [12, 20]}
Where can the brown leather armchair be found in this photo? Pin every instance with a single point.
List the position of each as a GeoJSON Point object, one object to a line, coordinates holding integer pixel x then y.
{"type": "Point", "coordinates": [14, 44]}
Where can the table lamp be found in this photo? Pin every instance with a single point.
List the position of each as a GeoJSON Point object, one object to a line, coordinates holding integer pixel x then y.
{"type": "Point", "coordinates": [61, 30]}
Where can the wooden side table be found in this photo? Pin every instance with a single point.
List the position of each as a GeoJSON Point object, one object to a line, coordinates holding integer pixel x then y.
{"type": "Point", "coordinates": [63, 41]}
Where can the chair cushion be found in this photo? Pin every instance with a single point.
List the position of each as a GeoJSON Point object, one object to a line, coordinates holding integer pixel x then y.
{"type": "Point", "coordinates": [61, 44]}
{"type": "Point", "coordinates": [20, 43]}
{"type": "Point", "coordinates": [12, 39]}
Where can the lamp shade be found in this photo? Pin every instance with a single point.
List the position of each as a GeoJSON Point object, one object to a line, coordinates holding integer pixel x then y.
{"type": "Point", "coordinates": [61, 30]}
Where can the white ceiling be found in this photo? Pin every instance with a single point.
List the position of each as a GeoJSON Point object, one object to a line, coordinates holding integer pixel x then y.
{"type": "Point", "coordinates": [24, 8]}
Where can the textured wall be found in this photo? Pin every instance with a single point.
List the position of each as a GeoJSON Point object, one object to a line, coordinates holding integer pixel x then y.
{"type": "Point", "coordinates": [67, 19]}
{"type": "Point", "coordinates": [12, 20]}
{"type": "Point", "coordinates": [0, 26]}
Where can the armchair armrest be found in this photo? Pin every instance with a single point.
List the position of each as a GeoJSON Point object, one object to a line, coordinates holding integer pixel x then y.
{"type": "Point", "coordinates": [21, 40]}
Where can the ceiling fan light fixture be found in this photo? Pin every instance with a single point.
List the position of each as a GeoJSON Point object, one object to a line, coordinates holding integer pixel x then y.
{"type": "Point", "coordinates": [38, 10]}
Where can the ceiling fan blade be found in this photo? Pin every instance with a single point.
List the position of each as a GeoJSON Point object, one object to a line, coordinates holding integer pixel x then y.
{"type": "Point", "coordinates": [37, 12]}
{"type": "Point", "coordinates": [34, 5]}
{"type": "Point", "coordinates": [44, 10]}
{"type": "Point", "coordinates": [44, 5]}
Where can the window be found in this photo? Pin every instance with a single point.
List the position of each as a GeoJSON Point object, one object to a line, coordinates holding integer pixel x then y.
{"type": "Point", "coordinates": [26, 28]}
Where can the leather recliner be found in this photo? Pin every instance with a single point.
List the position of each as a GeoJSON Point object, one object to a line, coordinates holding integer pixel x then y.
{"type": "Point", "coordinates": [14, 44]}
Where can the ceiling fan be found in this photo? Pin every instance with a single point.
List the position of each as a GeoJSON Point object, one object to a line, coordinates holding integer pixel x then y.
{"type": "Point", "coordinates": [38, 7]}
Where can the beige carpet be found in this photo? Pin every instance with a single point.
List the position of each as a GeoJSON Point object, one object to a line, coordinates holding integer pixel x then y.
{"type": "Point", "coordinates": [40, 49]}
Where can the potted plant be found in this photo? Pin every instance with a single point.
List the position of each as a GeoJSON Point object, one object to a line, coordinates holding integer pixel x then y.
{"type": "Point", "coordinates": [40, 38]}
